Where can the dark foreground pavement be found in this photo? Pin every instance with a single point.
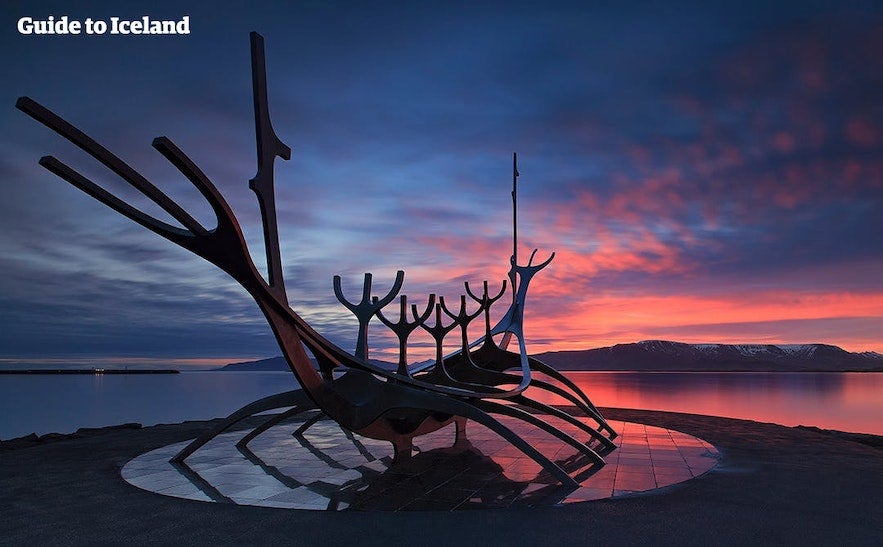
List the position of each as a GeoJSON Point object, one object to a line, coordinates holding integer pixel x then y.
{"type": "Point", "coordinates": [774, 485]}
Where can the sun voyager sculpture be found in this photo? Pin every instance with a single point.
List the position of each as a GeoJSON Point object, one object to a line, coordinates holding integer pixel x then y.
{"type": "Point", "coordinates": [481, 381]}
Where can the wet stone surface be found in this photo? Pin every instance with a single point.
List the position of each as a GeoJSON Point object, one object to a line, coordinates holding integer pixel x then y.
{"type": "Point", "coordinates": [328, 469]}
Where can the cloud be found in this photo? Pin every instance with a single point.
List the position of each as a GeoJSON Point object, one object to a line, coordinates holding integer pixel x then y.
{"type": "Point", "coordinates": [692, 169]}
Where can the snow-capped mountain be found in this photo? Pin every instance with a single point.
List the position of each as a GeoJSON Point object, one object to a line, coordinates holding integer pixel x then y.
{"type": "Point", "coordinates": [665, 355]}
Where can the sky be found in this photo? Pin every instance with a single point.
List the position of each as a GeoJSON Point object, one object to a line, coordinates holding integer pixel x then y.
{"type": "Point", "coordinates": [704, 172]}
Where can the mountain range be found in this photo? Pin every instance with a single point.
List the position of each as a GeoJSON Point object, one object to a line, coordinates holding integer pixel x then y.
{"type": "Point", "coordinates": [660, 355]}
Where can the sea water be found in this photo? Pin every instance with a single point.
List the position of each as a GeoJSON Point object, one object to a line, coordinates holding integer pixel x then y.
{"type": "Point", "coordinates": [63, 403]}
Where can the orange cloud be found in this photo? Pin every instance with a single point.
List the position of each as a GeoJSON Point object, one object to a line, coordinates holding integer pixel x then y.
{"type": "Point", "coordinates": [595, 320]}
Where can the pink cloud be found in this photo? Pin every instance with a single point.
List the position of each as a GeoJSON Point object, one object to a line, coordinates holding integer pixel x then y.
{"type": "Point", "coordinates": [861, 132]}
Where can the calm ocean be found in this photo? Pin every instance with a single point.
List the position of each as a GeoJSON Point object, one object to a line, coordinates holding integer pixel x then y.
{"type": "Point", "coordinates": [63, 403]}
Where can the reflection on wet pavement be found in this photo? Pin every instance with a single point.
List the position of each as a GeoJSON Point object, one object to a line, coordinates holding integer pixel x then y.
{"type": "Point", "coordinates": [326, 469]}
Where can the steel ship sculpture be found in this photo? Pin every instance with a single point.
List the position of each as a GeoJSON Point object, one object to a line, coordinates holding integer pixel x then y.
{"type": "Point", "coordinates": [481, 381]}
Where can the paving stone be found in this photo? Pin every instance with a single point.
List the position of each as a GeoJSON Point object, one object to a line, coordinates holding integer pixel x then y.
{"type": "Point", "coordinates": [326, 470]}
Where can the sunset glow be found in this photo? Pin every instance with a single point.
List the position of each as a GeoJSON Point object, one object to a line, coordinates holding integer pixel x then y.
{"type": "Point", "coordinates": [714, 178]}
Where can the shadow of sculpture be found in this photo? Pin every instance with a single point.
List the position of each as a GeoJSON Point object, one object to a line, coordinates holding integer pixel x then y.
{"type": "Point", "coordinates": [361, 397]}
{"type": "Point", "coordinates": [327, 474]}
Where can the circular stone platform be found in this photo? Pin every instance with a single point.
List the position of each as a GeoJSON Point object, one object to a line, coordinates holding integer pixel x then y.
{"type": "Point", "coordinates": [329, 469]}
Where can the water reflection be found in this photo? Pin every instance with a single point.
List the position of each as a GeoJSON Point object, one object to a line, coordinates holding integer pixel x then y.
{"type": "Point", "coordinates": [63, 403]}
{"type": "Point", "coordinates": [45, 404]}
{"type": "Point", "coordinates": [846, 401]}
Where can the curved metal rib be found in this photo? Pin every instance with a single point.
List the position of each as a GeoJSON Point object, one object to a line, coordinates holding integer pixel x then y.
{"type": "Point", "coordinates": [299, 432]}
{"type": "Point", "coordinates": [486, 377]}
{"type": "Point", "coordinates": [111, 161]}
{"type": "Point", "coordinates": [536, 405]}
{"type": "Point", "coordinates": [513, 412]}
{"type": "Point", "coordinates": [295, 397]}
{"type": "Point", "coordinates": [543, 368]}
{"type": "Point", "coordinates": [267, 424]}
{"type": "Point", "coordinates": [525, 447]}
{"type": "Point", "coordinates": [472, 411]}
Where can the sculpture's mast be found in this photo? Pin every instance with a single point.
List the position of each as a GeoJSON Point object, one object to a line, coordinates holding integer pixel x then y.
{"type": "Point", "coordinates": [269, 147]}
{"type": "Point", "coordinates": [513, 270]}
{"type": "Point", "coordinates": [512, 274]}
{"type": "Point", "coordinates": [515, 207]}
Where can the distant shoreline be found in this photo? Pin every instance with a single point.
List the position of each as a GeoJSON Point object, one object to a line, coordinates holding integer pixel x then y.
{"type": "Point", "coordinates": [668, 356]}
{"type": "Point", "coordinates": [95, 371]}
